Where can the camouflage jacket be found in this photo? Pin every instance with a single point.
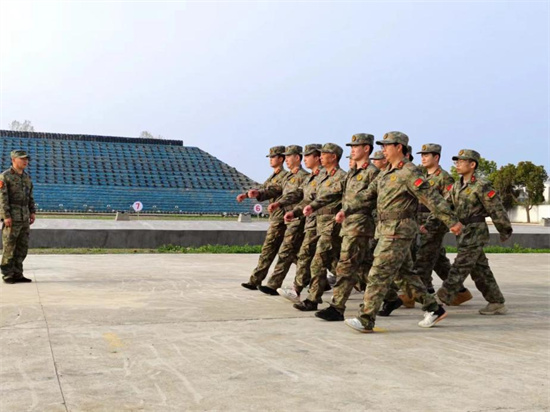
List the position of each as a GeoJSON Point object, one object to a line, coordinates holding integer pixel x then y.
{"type": "Point", "coordinates": [361, 222]}
{"type": "Point", "coordinates": [16, 196]}
{"type": "Point", "coordinates": [289, 184]}
{"type": "Point", "coordinates": [475, 200]}
{"type": "Point", "coordinates": [328, 201]}
{"type": "Point", "coordinates": [271, 190]}
{"type": "Point", "coordinates": [305, 194]}
{"type": "Point", "coordinates": [397, 192]}
{"type": "Point", "coordinates": [438, 180]}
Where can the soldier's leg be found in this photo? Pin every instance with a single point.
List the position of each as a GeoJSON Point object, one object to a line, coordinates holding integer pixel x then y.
{"type": "Point", "coordinates": [349, 265]}
{"type": "Point", "coordinates": [21, 249]}
{"type": "Point", "coordinates": [485, 280]}
{"type": "Point", "coordinates": [321, 261]}
{"type": "Point", "coordinates": [389, 256]}
{"type": "Point", "coordinates": [9, 241]}
{"type": "Point", "coordinates": [443, 264]}
{"type": "Point", "coordinates": [273, 239]}
{"type": "Point", "coordinates": [305, 256]}
{"type": "Point", "coordinates": [465, 260]}
{"type": "Point", "coordinates": [427, 255]}
{"type": "Point", "coordinates": [294, 235]}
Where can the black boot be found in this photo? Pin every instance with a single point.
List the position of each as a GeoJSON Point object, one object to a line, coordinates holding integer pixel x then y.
{"type": "Point", "coordinates": [389, 307]}
{"type": "Point", "coordinates": [268, 291]}
{"type": "Point", "coordinates": [249, 285]}
{"type": "Point", "coordinates": [330, 314]}
{"type": "Point", "coordinates": [306, 306]}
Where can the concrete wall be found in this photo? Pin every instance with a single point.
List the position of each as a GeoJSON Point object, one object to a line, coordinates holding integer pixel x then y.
{"type": "Point", "coordinates": [519, 215]}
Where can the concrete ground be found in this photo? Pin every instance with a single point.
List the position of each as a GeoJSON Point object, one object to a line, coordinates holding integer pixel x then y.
{"type": "Point", "coordinates": [178, 333]}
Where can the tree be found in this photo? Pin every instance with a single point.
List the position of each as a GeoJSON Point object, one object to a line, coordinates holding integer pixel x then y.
{"type": "Point", "coordinates": [485, 168]}
{"type": "Point", "coordinates": [146, 135]}
{"type": "Point", "coordinates": [26, 126]}
{"type": "Point", "coordinates": [504, 181]}
{"type": "Point", "coordinates": [530, 179]}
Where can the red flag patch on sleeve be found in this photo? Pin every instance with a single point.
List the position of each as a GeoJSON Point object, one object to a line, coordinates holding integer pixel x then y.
{"type": "Point", "coordinates": [449, 187]}
{"type": "Point", "coordinates": [1, 184]}
{"type": "Point", "coordinates": [491, 194]}
{"type": "Point", "coordinates": [418, 182]}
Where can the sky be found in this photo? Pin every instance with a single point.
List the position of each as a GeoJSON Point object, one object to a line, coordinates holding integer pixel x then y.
{"type": "Point", "coordinates": [235, 78]}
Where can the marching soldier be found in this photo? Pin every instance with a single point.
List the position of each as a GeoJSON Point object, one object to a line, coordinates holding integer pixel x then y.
{"type": "Point", "coordinates": [474, 199]}
{"type": "Point", "coordinates": [18, 213]}
{"type": "Point", "coordinates": [277, 227]}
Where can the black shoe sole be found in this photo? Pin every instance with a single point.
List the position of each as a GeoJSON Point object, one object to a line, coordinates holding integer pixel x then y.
{"type": "Point", "coordinates": [303, 308]}
{"type": "Point", "coordinates": [268, 291]}
{"type": "Point", "coordinates": [249, 286]}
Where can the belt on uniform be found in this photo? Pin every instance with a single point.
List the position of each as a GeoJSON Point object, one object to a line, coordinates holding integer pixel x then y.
{"type": "Point", "coordinates": [19, 203]}
{"type": "Point", "coordinates": [405, 214]}
{"type": "Point", "coordinates": [472, 219]}
{"type": "Point", "coordinates": [423, 208]}
{"type": "Point", "coordinates": [327, 211]}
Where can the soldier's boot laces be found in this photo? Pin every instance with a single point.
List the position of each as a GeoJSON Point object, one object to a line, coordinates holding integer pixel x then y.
{"type": "Point", "coordinates": [330, 314]}
{"type": "Point", "coordinates": [356, 324]}
{"type": "Point", "coordinates": [290, 294]}
{"type": "Point", "coordinates": [249, 285]}
{"type": "Point", "coordinates": [389, 307]}
{"type": "Point", "coordinates": [494, 309]}
{"type": "Point", "coordinates": [407, 301]}
{"type": "Point", "coordinates": [306, 306]}
{"type": "Point", "coordinates": [431, 318]}
{"type": "Point", "coordinates": [268, 291]}
{"type": "Point", "coordinates": [461, 297]}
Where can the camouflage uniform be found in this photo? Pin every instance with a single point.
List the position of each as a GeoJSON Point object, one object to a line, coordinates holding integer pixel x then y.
{"type": "Point", "coordinates": [307, 193]}
{"type": "Point", "coordinates": [472, 202]}
{"type": "Point", "coordinates": [327, 204]}
{"type": "Point", "coordinates": [294, 233]}
{"type": "Point", "coordinates": [276, 231]}
{"type": "Point", "coordinates": [397, 191]}
{"type": "Point", "coordinates": [431, 254]}
{"type": "Point", "coordinates": [357, 229]}
{"type": "Point", "coordinates": [17, 203]}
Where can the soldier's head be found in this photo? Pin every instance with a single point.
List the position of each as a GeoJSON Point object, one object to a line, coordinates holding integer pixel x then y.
{"type": "Point", "coordinates": [394, 145]}
{"type": "Point", "coordinates": [276, 156]}
{"type": "Point", "coordinates": [361, 146]}
{"type": "Point", "coordinates": [466, 162]}
{"type": "Point", "coordinates": [293, 156]}
{"type": "Point", "coordinates": [312, 155]}
{"type": "Point", "coordinates": [20, 159]}
{"type": "Point", "coordinates": [408, 154]}
{"type": "Point", "coordinates": [331, 154]}
{"type": "Point", "coordinates": [352, 163]}
{"type": "Point", "coordinates": [431, 154]}
{"type": "Point", "coordinates": [379, 160]}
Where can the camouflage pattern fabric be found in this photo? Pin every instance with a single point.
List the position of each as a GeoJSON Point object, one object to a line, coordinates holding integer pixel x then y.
{"type": "Point", "coordinates": [397, 191]}
{"type": "Point", "coordinates": [327, 204]}
{"type": "Point", "coordinates": [16, 203]}
{"type": "Point", "coordinates": [474, 200]}
{"type": "Point", "coordinates": [272, 190]}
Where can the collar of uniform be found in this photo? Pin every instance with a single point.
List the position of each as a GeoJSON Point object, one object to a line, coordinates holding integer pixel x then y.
{"type": "Point", "coordinates": [333, 171]}
{"type": "Point", "coordinates": [316, 172]}
{"type": "Point", "coordinates": [438, 171]}
{"type": "Point", "coordinates": [296, 170]}
{"type": "Point", "coordinates": [365, 165]}
{"type": "Point", "coordinates": [473, 178]}
{"type": "Point", "coordinates": [277, 171]}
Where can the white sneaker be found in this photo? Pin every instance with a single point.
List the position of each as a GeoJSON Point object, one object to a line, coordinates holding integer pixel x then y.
{"type": "Point", "coordinates": [431, 318]}
{"type": "Point", "coordinates": [356, 324]}
{"type": "Point", "coordinates": [290, 294]}
{"type": "Point", "coordinates": [494, 309]}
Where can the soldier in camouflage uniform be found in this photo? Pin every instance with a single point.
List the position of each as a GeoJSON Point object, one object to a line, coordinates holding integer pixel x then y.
{"type": "Point", "coordinates": [18, 213]}
{"type": "Point", "coordinates": [294, 233]}
{"type": "Point", "coordinates": [305, 194]}
{"type": "Point", "coordinates": [276, 231]}
{"type": "Point", "coordinates": [397, 191]}
{"type": "Point", "coordinates": [379, 160]}
{"type": "Point", "coordinates": [357, 229]}
{"type": "Point", "coordinates": [327, 204]}
{"type": "Point", "coordinates": [473, 199]}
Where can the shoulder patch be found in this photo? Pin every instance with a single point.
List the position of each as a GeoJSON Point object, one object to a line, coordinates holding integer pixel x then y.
{"type": "Point", "coordinates": [491, 194]}
{"type": "Point", "coordinates": [418, 182]}
{"type": "Point", "coordinates": [449, 187]}
{"type": "Point", "coordinates": [1, 184]}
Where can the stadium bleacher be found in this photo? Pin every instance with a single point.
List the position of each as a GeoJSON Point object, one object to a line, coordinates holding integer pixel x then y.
{"type": "Point", "coordinates": [83, 173]}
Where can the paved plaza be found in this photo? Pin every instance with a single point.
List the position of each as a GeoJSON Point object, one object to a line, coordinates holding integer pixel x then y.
{"type": "Point", "coordinates": [167, 332]}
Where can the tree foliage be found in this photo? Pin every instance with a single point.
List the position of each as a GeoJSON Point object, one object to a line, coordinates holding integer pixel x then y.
{"type": "Point", "coordinates": [504, 181]}
{"type": "Point", "coordinates": [485, 168]}
{"type": "Point", "coordinates": [26, 126]}
{"type": "Point", "coordinates": [530, 180]}
{"type": "Point", "coordinates": [146, 135]}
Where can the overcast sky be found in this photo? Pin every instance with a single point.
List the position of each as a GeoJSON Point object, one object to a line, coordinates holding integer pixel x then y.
{"type": "Point", "coordinates": [235, 78]}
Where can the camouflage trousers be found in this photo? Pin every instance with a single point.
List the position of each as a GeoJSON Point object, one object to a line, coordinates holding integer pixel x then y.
{"type": "Point", "coordinates": [273, 239]}
{"type": "Point", "coordinates": [305, 256]}
{"type": "Point", "coordinates": [471, 260]}
{"type": "Point", "coordinates": [392, 262]}
{"type": "Point", "coordinates": [294, 235]}
{"type": "Point", "coordinates": [350, 269]}
{"type": "Point", "coordinates": [15, 241]}
{"type": "Point", "coordinates": [431, 256]}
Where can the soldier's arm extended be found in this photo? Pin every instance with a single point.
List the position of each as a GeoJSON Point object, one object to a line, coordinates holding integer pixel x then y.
{"type": "Point", "coordinates": [272, 191]}
{"type": "Point", "coordinates": [494, 207]}
{"type": "Point", "coordinates": [292, 197]}
{"type": "Point", "coordinates": [439, 207]}
{"type": "Point", "coordinates": [4, 199]}
{"type": "Point", "coordinates": [329, 197]}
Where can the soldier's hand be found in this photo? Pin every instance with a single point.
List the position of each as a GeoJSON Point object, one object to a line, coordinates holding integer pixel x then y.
{"type": "Point", "coordinates": [456, 228]}
{"type": "Point", "coordinates": [273, 207]}
{"type": "Point", "coordinates": [241, 197]}
{"type": "Point", "coordinates": [308, 210]}
{"type": "Point", "coordinates": [7, 222]}
{"type": "Point", "coordinates": [504, 237]}
{"type": "Point", "coordinates": [253, 193]}
{"type": "Point", "coordinates": [32, 218]}
{"type": "Point", "coordinates": [340, 216]}
{"type": "Point", "coordinates": [289, 216]}
{"type": "Point", "coordinates": [423, 229]}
